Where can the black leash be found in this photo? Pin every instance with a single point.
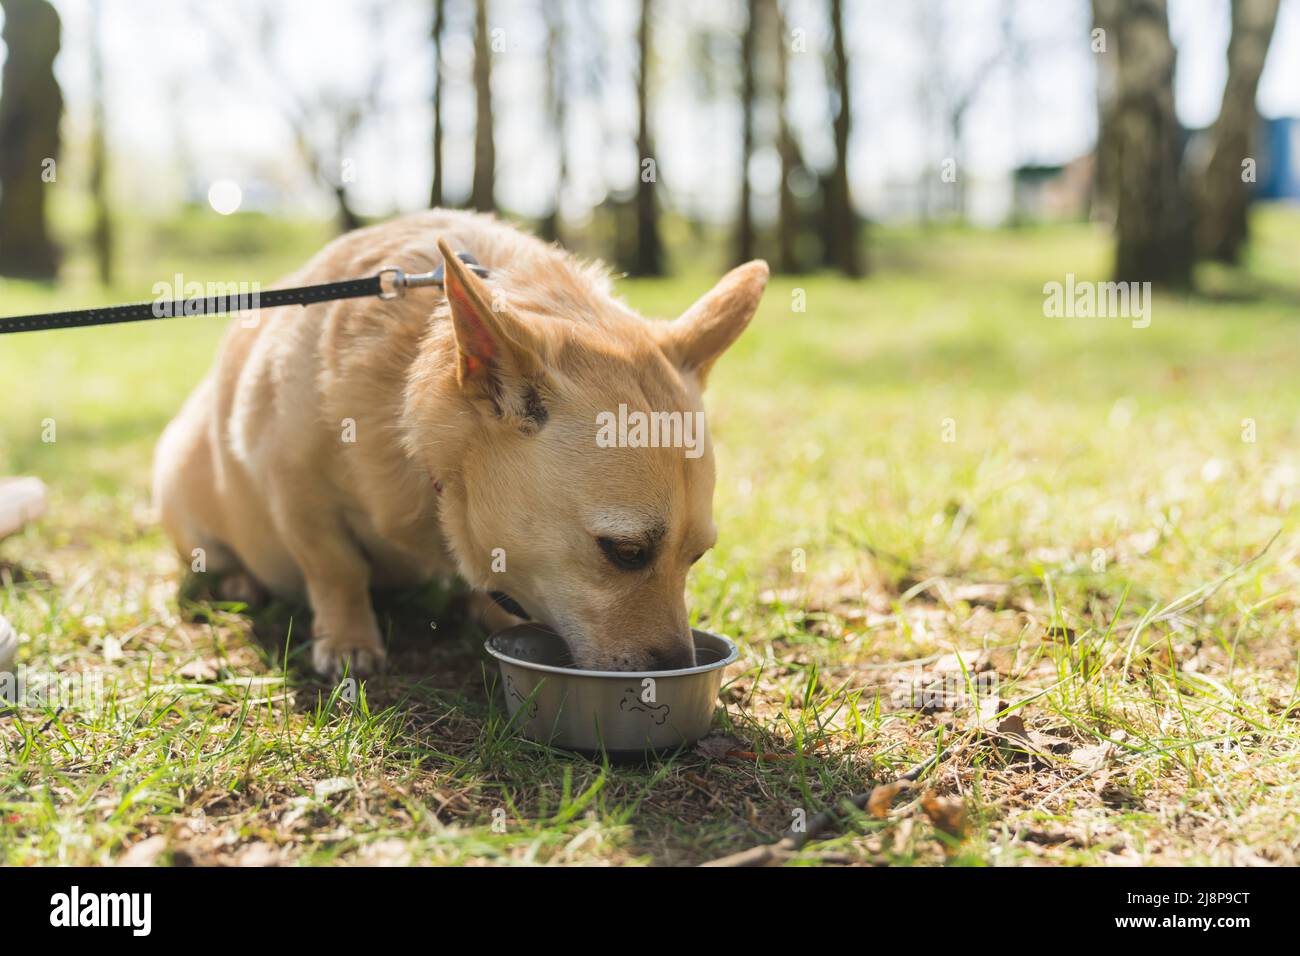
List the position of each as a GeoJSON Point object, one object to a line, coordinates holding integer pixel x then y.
{"type": "Point", "coordinates": [388, 283]}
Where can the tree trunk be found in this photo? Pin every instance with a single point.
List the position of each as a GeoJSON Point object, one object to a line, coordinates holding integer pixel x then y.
{"type": "Point", "coordinates": [556, 102]}
{"type": "Point", "coordinates": [1223, 189]}
{"type": "Point", "coordinates": [439, 23]}
{"type": "Point", "coordinates": [1153, 241]}
{"type": "Point", "coordinates": [1105, 172]}
{"type": "Point", "coordinates": [788, 148]}
{"type": "Point", "coordinates": [482, 195]}
{"type": "Point", "coordinates": [30, 108]}
{"type": "Point", "coordinates": [842, 238]}
{"type": "Point", "coordinates": [649, 248]}
{"type": "Point", "coordinates": [744, 238]}
{"type": "Point", "coordinates": [347, 217]}
{"type": "Point", "coordinates": [102, 237]}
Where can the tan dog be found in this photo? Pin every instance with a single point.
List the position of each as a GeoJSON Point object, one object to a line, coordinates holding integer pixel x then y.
{"type": "Point", "coordinates": [367, 443]}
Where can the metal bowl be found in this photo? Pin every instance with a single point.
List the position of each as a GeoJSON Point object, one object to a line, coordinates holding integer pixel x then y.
{"type": "Point", "coordinates": [623, 714]}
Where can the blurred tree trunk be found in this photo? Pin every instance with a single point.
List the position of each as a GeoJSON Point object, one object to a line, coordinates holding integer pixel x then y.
{"type": "Point", "coordinates": [482, 195]}
{"type": "Point", "coordinates": [843, 242]}
{"type": "Point", "coordinates": [439, 24]}
{"type": "Point", "coordinates": [31, 106]}
{"type": "Point", "coordinates": [103, 228]}
{"type": "Point", "coordinates": [649, 248]}
{"type": "Point", "coordinates": [1153, 241]}
{"type": "Point", "coordinates": [556, 105]}
{"type": "Point", "coordinates": [1105, 156]}
{"type": "Point", "coordinates": [1223, 192]}
{"type": "Point", "coordinates": [788, 148]}
{"type": "Point", "coordinates": [744, 236]}
{"type": "Point", "coordinates": [347, 216]}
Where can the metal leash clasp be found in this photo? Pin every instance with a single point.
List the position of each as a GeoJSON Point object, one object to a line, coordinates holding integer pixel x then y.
{"type": "Point", "coordinates": [401, 281]}
{"type": "Point", "coordinates": [396, 287]}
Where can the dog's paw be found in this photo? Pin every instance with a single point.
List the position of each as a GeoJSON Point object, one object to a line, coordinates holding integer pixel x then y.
{"type": "Point", "coordinates": [336, 658]}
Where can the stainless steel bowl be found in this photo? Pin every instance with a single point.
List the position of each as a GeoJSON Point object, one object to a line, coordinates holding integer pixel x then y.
{"type": "Point", "coordinates": [622, 714]}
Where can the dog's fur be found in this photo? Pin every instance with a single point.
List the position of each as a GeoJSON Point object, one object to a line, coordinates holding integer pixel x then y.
{"type": "Point", "coordinates": [364, 443]}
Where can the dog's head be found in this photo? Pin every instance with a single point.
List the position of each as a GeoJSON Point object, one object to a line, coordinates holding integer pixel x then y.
{"type": "Point", "coordinates": [586, 491]}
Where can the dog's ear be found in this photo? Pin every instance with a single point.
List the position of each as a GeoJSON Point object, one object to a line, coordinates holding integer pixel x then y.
{"type": "Point", "coordinates": [707, 329]}
{"type": "Point", "coordinates": [499, 359]}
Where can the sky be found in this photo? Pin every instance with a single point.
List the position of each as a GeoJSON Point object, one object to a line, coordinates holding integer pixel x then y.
{"type": "Point", "coordinates": [198, 92]}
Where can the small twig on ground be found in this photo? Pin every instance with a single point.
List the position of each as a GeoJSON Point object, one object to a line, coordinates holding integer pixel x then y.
{"type": "Point", "coordinates": [794, 840]}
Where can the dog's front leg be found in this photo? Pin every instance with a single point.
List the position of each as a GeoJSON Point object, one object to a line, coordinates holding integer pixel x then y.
{"type": "Point", "coordinates": [345, 635]}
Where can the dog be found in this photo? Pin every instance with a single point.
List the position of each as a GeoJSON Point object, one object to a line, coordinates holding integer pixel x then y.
{"type": "Point", "coordinates": [367, 443]}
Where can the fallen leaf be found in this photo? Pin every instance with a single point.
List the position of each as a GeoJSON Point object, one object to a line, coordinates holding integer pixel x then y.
{"type": "Point", "coordinates": [200, 671]}
{"type": "Point", "coordinates": [257, 854]}
{"type": "Point", "coordinates": [329, 787]}
{"type": "Point", "coordinates": [718, 746]}
{"type": "Point", "coordinates": [987, 710]}
{"type": "Point", "coordinates": [1013, 725]}
{"type": "Point", "coordinates": [1061, 634]}
{"type": "Point", "coordinates": [955, 663]}
{"type": "Point", "coordinates": [987, 595]}
{"type": "Point", "coordinates": [144, 853]}
{"type": "Point", "coordinates": [947, 814]}
{"type": "Point", "coordinates": [882, 797]}
{"type": "Point", "coordinates": [1093, 757]}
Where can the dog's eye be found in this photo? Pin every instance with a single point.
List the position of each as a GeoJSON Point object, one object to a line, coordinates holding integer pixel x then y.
{"type": "Point", "coordinates": [627, 555]}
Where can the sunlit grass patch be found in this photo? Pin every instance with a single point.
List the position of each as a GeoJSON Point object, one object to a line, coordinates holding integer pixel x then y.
{"type": "Point", "coordinates": [1063, 553]}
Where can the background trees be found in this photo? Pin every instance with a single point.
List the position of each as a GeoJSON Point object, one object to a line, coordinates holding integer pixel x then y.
{"type": "Point", "coordinates": [1222, 191]}
{"type": "Point", "coordinates": [31, 105]}
{"type": "Point", "coordinates": [1143, 139]}
{"type": "Point", "coordinates": [788, 108]}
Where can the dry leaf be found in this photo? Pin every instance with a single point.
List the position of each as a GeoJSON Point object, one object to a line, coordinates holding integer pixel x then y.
{"type": "Point", "coordinates": [987, 595]}
{"type": "Point", "coordinates": [957, 662]}
{"type": "Point", "coordinates": [1092, 757]}
{"type": "Point", "coordinates": [878, 803]}
{"type": "Point", "coordinates": [947, 814]}
{"type": "Point", "coordinates": [199, 670]}
{"type": "Point", "coordinates": [717, 746]}
{"type": "Point", "coordinates": [144, 853]}
{"type": "Point", "coordinates": [1013, 725]}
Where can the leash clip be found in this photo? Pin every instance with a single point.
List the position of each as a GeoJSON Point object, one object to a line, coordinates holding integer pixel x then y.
{"type": "Point", "coordinates": [397, 285]}
{"type": "Point", "coordinates": [400, 281]}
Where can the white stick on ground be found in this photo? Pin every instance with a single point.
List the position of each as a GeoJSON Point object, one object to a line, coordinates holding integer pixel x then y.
{"type": "Point", "coordinates": [22, 500]}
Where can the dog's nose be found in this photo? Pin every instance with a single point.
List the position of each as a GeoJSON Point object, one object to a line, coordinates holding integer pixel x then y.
{"type": "Point", "coordinates": [673, 658]}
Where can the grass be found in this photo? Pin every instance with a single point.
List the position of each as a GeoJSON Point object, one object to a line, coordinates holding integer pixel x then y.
{"type": "Point", "coordinates": [948, 523]}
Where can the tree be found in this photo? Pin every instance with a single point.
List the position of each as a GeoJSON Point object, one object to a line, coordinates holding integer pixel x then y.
{"type": "Point", "coordinates": [744, 237]}
{"type": "Point", "coordinates": [788, 149]}
{"type": "Point", "coordinates": [439, 24]}
{"type": "Point", "coordinates": [31, 106]}
{"type": "Point", "coordinates": [963, 93]}
{"type": "Point", "coordinates": [102, 236]}
{"type": "Point", "coordinates": [649, 259]}
{"type": "Point", "coordinates": [1223, 188]}
{"type": "Point", "coordinates": [483, 192]}
{"type": "Point", "coordinates": [1106, 155]}
{"type": "Point", "coordinates": [324, 121]}
{"type": "Point", "coordinates": [843, 242]}
{"type": "Point", "coordinates": [1142, 138]}
{"type": "Point", "coordinates": [557, 67]}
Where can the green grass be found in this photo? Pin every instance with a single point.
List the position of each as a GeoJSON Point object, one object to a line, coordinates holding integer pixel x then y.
{"type": "Point", "coordinates": [1089, 541]}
